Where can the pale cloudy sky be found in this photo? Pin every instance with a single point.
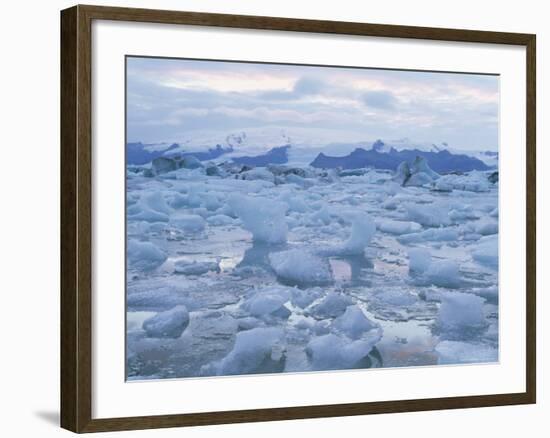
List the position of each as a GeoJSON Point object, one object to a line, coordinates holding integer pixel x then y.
{"type": "Point", "coordinates": [169, 99]}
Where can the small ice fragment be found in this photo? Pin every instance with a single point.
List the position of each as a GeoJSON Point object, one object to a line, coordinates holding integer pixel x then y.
{"type": "Point", "coordinates": [195, 268]}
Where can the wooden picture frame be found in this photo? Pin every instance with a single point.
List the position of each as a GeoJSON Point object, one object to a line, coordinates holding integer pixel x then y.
{"type": "Point", "coordinates": [76, 217]}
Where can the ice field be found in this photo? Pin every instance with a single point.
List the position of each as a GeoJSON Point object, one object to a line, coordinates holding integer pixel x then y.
{"type": "Point", "coordinates": [233, 269]}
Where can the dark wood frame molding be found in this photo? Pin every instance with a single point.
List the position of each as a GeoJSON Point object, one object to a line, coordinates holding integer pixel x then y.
{"type": "Point", "coordinates": [76, 217]}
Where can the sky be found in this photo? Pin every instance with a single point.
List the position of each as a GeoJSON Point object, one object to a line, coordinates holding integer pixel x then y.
{"type": "Point", "coordinates": [172, 99]}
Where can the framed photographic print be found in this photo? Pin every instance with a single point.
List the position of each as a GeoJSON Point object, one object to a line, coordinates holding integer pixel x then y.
{"type": "Point", "coordinates": [270, 218]}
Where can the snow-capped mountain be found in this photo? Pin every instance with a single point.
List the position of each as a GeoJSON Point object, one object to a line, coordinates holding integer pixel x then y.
{"type": "Point", "coordinates": [273, 145]}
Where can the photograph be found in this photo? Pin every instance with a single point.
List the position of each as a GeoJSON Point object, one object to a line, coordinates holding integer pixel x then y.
{"type": "Point", "coordinates": [286, 218]}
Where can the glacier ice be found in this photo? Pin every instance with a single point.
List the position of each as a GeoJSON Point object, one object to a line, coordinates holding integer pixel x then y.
{"type": "Point", "coordinates": [343, 265]}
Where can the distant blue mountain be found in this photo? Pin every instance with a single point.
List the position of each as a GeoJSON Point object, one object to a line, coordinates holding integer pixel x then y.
{"type": "Point", "coordinates": [442, 161]}
{"type": "Point", "coordinates": [277, 155]}
{"type": "Point", "coordinates": [137, 153]}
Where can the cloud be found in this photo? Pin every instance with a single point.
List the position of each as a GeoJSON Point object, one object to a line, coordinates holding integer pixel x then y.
{"type": "Point", "coordinates": [305, 86]}
{"type": "Point", "coordinates": [380, 99]}
{"type": "Point", "coordinates": [168, 99]}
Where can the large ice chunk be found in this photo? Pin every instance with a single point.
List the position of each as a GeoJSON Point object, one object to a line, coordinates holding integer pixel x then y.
{"type": "Point", "coordinates": [420, 165]}
{"type": "Point", "coordinates": [353, 323]}
{"type": "Point", "coordinates": [144, 256]}
{"type": "Point", "coordinates": [259, 350]}
{"type": "Point", "coordinates": [332, 352]}
{"type": "Point", "coordinates": [168, 324]}
{"type": "Point", "coordinates": [419, 260]}
{"type": "Point", "coordinates": [263, 217]}
{"type": "Point", "coordinates": [461, 315]}
{"type": "Point", "coordinates": [331, 306]}
{"type": "Point", "coordinates": [473, 181]}
{"type": "Point", "coordinates": [486, 251]}
{"type": "Point", "coordinates": [445, 234]}
{"type": "Point", "coordinates": [268, 301]}
{"type": "Point", "coordinates": [301, 267]}
{"type": "Point", "coordinates": [363, 229]}
{"type": "Point", "coordinates": [444, 273]}
{"type": "Point", "coordinates": [434, 215]}
{"type": "Point", "coordinates": [397, 227]}
{"type": "Point", "coordinates": [189, 223]}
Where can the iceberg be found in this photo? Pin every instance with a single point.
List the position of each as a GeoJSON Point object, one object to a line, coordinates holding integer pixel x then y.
{"type": "Point", "coordinates": [263, 217]}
